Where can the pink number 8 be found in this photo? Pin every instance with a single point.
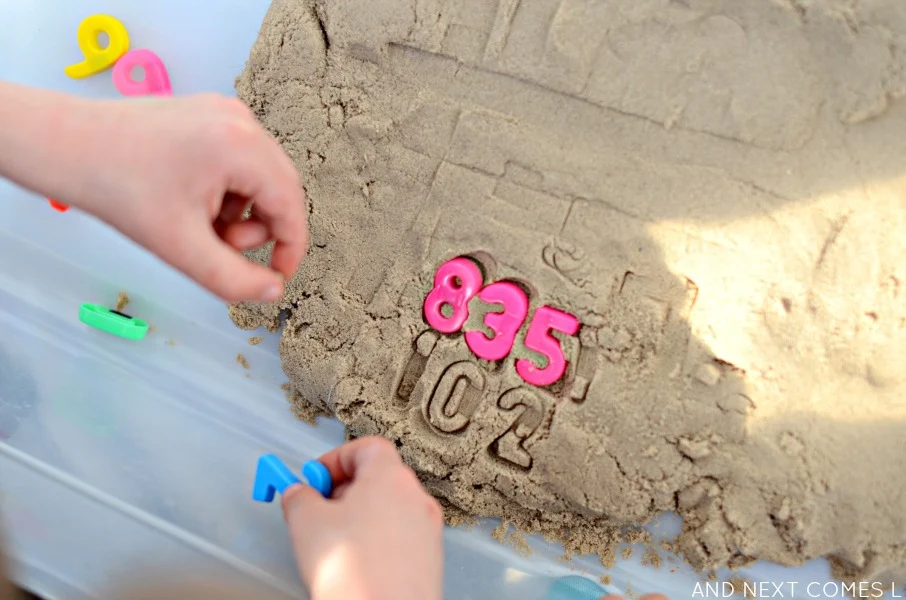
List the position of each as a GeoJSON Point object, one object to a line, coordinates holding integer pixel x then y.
{"type": "Point", "coordinates": [539, 339]}
{"type": "Point", "coordinates": [455, 284]}
{"type": "Point", "coordinates": [504, 324]}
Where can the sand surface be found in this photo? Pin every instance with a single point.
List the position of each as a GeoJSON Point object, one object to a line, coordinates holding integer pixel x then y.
{"type": "Point", "coordinates": [716, 191]}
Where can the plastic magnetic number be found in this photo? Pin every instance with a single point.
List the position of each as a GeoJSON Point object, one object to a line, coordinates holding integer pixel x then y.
{"type": "Point", "coordinates": [58, 206]}
{"type": "Point", "coordinates": [539, 339]}
{"type": "Point", "coordinates": [504, 324]}
{"type": "Point", "coordinates": [455, 284]}
{"type": "Point", "coordinates": [273, 476]}
{"type": "Point", "coordinates": [98, 59]}
{"type": "Point", "coordinates": [156, 81]}
{"type": "Point", "coordinates": [112, 321]}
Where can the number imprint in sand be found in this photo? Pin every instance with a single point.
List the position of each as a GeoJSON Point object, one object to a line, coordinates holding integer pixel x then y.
{"type": "Point", "coordinates": [454, 391]}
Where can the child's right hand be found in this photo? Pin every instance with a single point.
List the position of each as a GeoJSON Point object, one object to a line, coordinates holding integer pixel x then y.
{"type": "Point", "coordinates": [174, 174]}
{"type": "Point", "coordinates": [379, 537]}
{"type": "Point", "coordinates": [178, 174]}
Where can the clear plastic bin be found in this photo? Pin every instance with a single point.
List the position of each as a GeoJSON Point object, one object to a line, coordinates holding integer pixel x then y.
{"type": "Point", "coordinates": [121, 460]}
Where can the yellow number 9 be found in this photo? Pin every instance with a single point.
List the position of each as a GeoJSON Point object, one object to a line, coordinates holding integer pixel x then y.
{"type": "Point", "coordinates": [97, 58]}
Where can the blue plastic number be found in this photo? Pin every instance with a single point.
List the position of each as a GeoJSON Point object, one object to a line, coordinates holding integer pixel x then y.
{"type": "Point", "coordinates": [274, 476]}
{"type": "Point", "coordinates": [270, 477]}
{"type": "Point", "coordinates": [318, 477]}
{"type": "Point", "coordinates": [573, 587]}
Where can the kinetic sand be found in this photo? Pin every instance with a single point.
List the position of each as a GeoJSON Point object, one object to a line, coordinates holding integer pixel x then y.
{"type": "Point", "coordinates": [716, 191]}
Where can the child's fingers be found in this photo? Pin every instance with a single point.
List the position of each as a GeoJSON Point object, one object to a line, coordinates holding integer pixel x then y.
{"type": "Point", "coordinates": [349, 461]}
{"type": "Point", "coordinates": [224, 271]}
{"type": "Point", "coordinates": [340, 491]}
{"type": "Point", "coordinates": [245, 235]}
{"type": "Point", "coordinates": [291, 242]}
{"type": "Point", "coordinates": [288, 251]}
{"type": "Point", "coordinates": [232, 208]}
{"type": "Point", "coordinates": [284, 213]}
{"type": "Point", "coordinates": [300, 502]}
{"type": "Point", "coordinates": [192, 246]}
{"type": "Point", "coordinates": [308, 517]}
{"type": "Point", "coordinates": [266, 176]}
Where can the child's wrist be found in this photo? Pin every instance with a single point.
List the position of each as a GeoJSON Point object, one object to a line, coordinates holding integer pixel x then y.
{"type": "Point", "coordinates": [47, 142]}
{"type": "Point", "coordinates": [79, 155]}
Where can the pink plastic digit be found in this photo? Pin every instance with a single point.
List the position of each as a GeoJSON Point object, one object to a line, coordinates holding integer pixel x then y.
{"type": "Point", "coordinates": [539, 339]}
{"type": "Point", "coordinates": [456, 282]}
{"type": "Point", "coordinates": [505, 325]}
{"type": "Point", "coordinates": [156, 81]}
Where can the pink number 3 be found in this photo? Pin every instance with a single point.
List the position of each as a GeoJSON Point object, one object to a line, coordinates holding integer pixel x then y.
{"type": "Point", "coordinates": [504, 324]}
{"type": "Point", "coordinates": [539, 339]}
{"type": "Point", "coordinates": [455, 283]}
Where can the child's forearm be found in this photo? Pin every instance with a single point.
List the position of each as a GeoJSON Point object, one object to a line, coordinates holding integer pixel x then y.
{"type": "Point", "coordinates": [48, 142]}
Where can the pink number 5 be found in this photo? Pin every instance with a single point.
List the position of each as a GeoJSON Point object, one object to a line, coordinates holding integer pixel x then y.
{"type": "Point", "coordinates": [504, 324]}
{"type": "Point", "coordinates": [456, 282]}
{"type": "Point", "coordinates": [539, 339]}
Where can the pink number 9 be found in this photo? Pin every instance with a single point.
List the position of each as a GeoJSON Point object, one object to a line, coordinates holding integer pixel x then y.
{"type": "Point", "coordinates": [539, 339]}
{"type": "Point", "coordinates": [156, 81]}
{"type": "Point", "coordinates": [504, 324]}
{"type": "Point", "coordinates": [456, 282]}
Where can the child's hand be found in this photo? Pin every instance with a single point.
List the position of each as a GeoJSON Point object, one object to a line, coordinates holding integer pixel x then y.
{"type": "Point", "coordinates": [177, 175]}
{"type": "Point", "coordinates": [378, 537]}
{"type": "Point", "coordinates": [174, 174]}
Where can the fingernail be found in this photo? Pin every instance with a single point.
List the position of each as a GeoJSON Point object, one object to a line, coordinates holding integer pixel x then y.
{"type": "Point", "coordinates": [272, 293]}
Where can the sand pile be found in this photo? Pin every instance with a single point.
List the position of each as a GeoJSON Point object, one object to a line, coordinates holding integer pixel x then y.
{"type": "Point", "coordinates": [714, 190]}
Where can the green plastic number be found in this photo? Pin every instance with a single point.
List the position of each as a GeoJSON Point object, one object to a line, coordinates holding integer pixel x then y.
{"type": "Point", "coordinates": [112, 322]}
